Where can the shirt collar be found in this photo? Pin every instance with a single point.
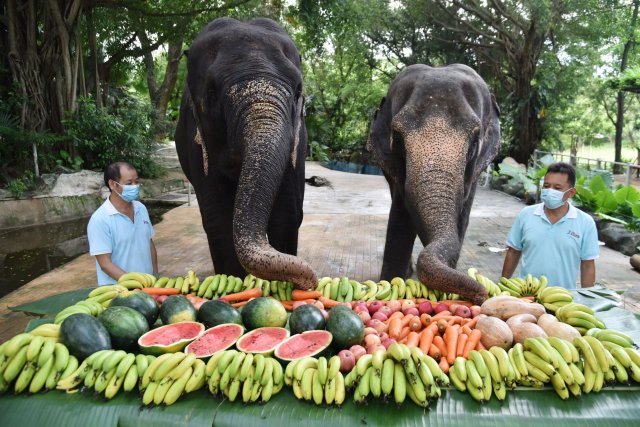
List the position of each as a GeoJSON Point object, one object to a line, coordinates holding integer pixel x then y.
{"type": "Point", "coordinates": [572, 214]}
{"type": "Point", "coordinates": [111, 210]}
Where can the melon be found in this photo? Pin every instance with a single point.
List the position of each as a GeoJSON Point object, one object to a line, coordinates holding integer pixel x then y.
{"type": "Point", "coordinates": [261, 312]}
{"type": "Point", "coordinates": [125, 326]}
{"type": "Point", "coordinates": [170, 338]}
{"type": "Point", "coordinates": [215, 339]}
{"type": "Point", "coordinates": [139, 301]}
{"type": "Point", "coordinates": [216, 312]}
{"type": "Point", "coordinates": [345, 326]}
{"type": "Point", "coordinates": [262, 340]}
{"type": "Point", "coordinates": [176, 309]}
{"type": "Point", "coordinates": [83, 335]}
{"type": "Point", "coordinates": [309, 343]}
{"type": "Point", "coordinates": [307, 317]}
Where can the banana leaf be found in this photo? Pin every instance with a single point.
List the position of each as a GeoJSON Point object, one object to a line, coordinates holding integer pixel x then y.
{"type": "Point", "coordinates": [523, 407]}
{"type": "Point", "coordinates": [54, 303]}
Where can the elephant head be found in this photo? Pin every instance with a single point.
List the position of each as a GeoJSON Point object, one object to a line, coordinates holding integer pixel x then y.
{"type": "Point", "coordinates": [432, 135]}
{"type": "Point", "coordinates": [241, 141]}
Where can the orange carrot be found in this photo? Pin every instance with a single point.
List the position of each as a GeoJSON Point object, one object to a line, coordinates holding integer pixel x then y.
{"type": "Point", "coordinates": [442, 326]}
{"type": "Point", "coordinates": [442, 347]}
{"type": "Point", "coordinates": [404, 332]}
{"type": "Point", "coordinates": [160, 291]}
{"type": "Point", "coordinates": [415, 324]}
{"type": "Point", "coordinates": [396, 315]}
{"type": "Point", "coordinates": [329, 303]}
{"type": "Point", "coordinates": [474, 339]}
{"type": "Point", "coordinates": [444, 313]}
{"type": "Point", "coordinates": [426, 338]}
{"type": "Point", "coordinates": [425, 319]}
{"type": "Point", "coordinates": [434, 352]}
{"type": "Point", "coordinates": [395, 326]}
{"type": "Point", "coordinates": [472, 322]}
{"type": "Point", "coordinates": [444, 365]}
{"type": "Point", "coordinates": [462, 340]}
{"type": "Point", "coordinates": [406, 320]}
{"type": "Point", "coordinates": [241, 303]}
{"type": "Point", "coordinates": [300, 295]}
{"type": "Point", "coordinates": [466, 329]}
{"type": "Point", "coordinates": [242, 296]}
{"type": "Point", "coordinates": [403, 341]}
{"type": "Point", "coordinates": [479, 346]}
{"type": "Point", "coordinates": [413, 339]}
{"type": "Point", "coordinates": [451, 340]}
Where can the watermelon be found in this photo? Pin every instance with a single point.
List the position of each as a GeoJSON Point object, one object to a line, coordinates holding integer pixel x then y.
{"type": "Point", "coordinates": [261, 312]}
{"type": "Point", "coordinates": [307, 317]}
{"type": "Point", "coordinates": [345, 326]}
{"type": "Point", "coordinates": [139, 301]}
{"type": "Point", "coordinates": [216, 312]}
{"type": "Point", "coordinates": [309, 343]}
{"type": "Point", "coordinates": [125, 326]}
{"type": "Point", "coordinates": [262, 340]}
{"type": "Point", "coordinates": [83, 335]}
{"type": "Point", "coordinates": [215, 339]}
{"type": "Point", "coordinates": [170, 338]}
{"type": "Point", "coordinates": [177, 308]}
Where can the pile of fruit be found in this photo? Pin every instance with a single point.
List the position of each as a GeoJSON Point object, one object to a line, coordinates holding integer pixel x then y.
{"type": "Point", "coordinates": [246, 339]}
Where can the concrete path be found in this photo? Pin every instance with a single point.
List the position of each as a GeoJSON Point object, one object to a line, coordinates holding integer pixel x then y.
{"type": "Point", "coordinates": [343, 233]}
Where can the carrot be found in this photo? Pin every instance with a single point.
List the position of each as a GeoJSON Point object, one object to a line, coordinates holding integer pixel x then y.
{"type": "Point", "coordinates": [442, 326]}
{"type": "Point", "coordinates": [160, 291]}
{"type": "Point", "coordinates": [415, 324]}
{"type": "Point", "coordinates": [328, 303]}
{"type": "Point", "coordinates": [406, 320]}
{"type": "Point", "coordinates": [241, 303]}
{"type": "Point", "coordinates": [448, 302]}
{"type": "Point", "coordinates": [479, 346]}
{"type": "Point", "coordinates": [425, 319]}
{"type": "Point", "coordinates": [413, 339]}
{"type": "Point", "coordinates": [451, 341]}
{"type": "Point", "coordinates": [442, 347]}
{"type": "Point", "coordinates": [426, 338]}
{"type": "Point", "coordinates": [404, 332]}
{"type": "Point", "coordinates": [444, 313]}
{"type": "Point", "coordinates": [300, 295]}
{"type": "Point", "coordinates": [466, 329]}
{"type": "Point", "coordinates": [434, 352]}
{"type": "Point", "coordinates": [395, 326]}
{"type": "Point", "coordinates": [242, 296]}
{"type": "Point", "coordinates": [462, 340]}
{"type": "Point", "coordinates": [474, 339]}
{"type": "Point", "coordinates": [472, 322]}
{"type": "Point", "coordinates": [444, 365]}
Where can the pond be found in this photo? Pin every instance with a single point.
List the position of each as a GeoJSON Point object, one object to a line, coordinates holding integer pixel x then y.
{"type": "Point", "coordinates": [351, 167]}
{"type": "Point", "coordinates": [27, 253]}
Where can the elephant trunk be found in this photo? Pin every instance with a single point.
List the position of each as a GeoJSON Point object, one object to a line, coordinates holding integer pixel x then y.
{"type": "Point", "coordinates": [267, 137]}
{"type": "Point", "coordinates": [435, 191]}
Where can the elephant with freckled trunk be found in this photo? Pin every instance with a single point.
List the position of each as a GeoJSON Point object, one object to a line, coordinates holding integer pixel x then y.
{"type": "Point", "coordinates": [432, 135]}
{"type": "Point", "coordinates": [242, 142]}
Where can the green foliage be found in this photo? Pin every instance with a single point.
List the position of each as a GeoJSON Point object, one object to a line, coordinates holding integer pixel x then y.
{"type": "Point", "coordinates": [66, 159]}
{"type": "Point", "coordinates": [621, 206]}
{"type": "Point", "coordinates": [19, 186]}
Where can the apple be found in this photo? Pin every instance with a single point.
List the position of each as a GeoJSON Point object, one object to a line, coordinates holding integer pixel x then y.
{"type": "Point", "coordinates": [441, 307]}
{"type": "Point", "coordinates": [383, 336]}
{"type": "Point", "coordinates": [372, 339]}
{"type": "Point", "coordinates": [347, 360]}
{"type": "Point", "coordinates": [453, 307]}
{"type": "Point", "coordinates": [463, 311]}
{"type": "Point", "coordinates": [386, 343]}
{"type": "Point", "coordinates": [369, 330]}
{"type": "Point", "coordinates": [380, 316]}
{"type": "Point", "coordinates": [358, 351]}
{"type": "Point", "coordinates": [385, 310]}
{"type": "Point", "coordinates": [411, 310]}
{"type": "Point", "coordinates": [325, 314]}
{"type": "Point", "coordinates": [375, 306]}
{"type": "Point", "coordinates": [378, 325]}
{"type": "Point", "coordinates": [407, 303]}
{"type": "Point", "coordinates": [364, 316]}
{"type": "Point", "coordinates": [373, 348]}
{"type": "Point", "coordinates": [394, 305]}
{"type": "Point", "coordinates": [425, 307]}
{"type": "Point", "coordinates": [475, 310]}
{"type": "Point", "coordinates": [297, 304]}
{"type": "Point", "coordinates": [318, 304]}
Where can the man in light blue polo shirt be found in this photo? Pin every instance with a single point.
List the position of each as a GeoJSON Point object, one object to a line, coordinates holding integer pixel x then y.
{"type": "Point", "coordinates": [554, 238]}
{"type": "Point", "coordinates": [120, 231]}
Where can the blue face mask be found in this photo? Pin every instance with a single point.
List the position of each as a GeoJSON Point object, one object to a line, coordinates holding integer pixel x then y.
{"type": "Point", "coordinates": [129, 192]}
{"type": "Point", "coordinates": [551, 198]}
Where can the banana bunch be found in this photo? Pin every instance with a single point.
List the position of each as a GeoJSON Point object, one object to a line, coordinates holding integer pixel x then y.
{"type": "Point", "coordinates": [106, 371]}
{"type": "Point", "coordinates": [87, 306]}
{"type": "Point", "coordinates": [171, 375]}
{"type": "Point", "coordinates": [484, 373]}
{"type": "Point", "coordinates": [606, 336]}
{"type": "Point", "coordinates": [493, 289]}
{"type": "Point", "coordinates": [319, 380]}
{"type": "Point", "coordinates": [105, 294]}
{"type": "Point", "coordinates": [251, 376]}
{"type": "Point", "coordinates": [34, 361]}
{"type": "Point", "coordinates": [136, 280]}
{"type": "Point", "coordinates": [282, 291]}
{"type": "Point", "coordinates": [580, 317]}
{"type": "Point", "coordinates": [190, 283]}
{"type": "Point", "coordinates": [624, 363]}
{"type": "Point", "coordinates": [554, 297]}
{"type": "Point", "coordinates": [48, 330]}
{"type": "Point", "coordinates": [402, 371]}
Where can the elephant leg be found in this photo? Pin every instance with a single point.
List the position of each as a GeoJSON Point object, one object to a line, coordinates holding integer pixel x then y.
{"type": "Point", "coordinates": [286, 215]}
{"type": "Point", "coordinates": [398, 247]}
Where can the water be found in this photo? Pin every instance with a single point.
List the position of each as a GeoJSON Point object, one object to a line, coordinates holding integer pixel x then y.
{"type": "Point", "coordinates": [353, 167]}
{"type": "Point", "coordinates": [27, 253]}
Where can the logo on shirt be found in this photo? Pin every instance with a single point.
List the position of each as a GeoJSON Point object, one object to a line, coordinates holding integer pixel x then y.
{"type": "Point", "coordinates": [573, 234]}
{"type": "Point", "coordinates": [145, 222]}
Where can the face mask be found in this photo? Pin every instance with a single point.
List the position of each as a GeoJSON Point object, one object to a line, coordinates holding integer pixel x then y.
{"type": "Point", "coordinates": [129, 192]}
{"type": "Point", "coordinates": [551, 198]}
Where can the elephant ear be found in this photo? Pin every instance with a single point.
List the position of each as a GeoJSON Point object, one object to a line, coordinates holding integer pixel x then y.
{"type": "Point", "coordinates": [490, 142]}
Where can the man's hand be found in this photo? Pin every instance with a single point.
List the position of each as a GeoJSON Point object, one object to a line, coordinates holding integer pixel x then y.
{"type": "Point", "coordinates": [511, 260]}
{"type": "Point", "coordinates": [109, 267]}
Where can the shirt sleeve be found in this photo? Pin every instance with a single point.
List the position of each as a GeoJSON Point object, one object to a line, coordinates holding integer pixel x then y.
{"type": "Point", "coordinates": [590, 249]}
{"type": "Point", "coordinates": [514, 239]}
{"type": "Point", "coordinates": [99, 236]}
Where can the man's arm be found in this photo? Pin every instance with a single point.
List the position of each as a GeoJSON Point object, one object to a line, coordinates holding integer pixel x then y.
{"type": "Point", "coordinates": [511, 260]}
{"type": "Point", "coordinates": [587, 273]}
{"type": "Point", "coordinates": [154, 257]}
{"type": "Point", "coordinates": [109, 267]}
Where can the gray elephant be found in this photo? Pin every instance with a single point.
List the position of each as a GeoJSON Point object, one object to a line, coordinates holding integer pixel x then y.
{"type": "Point", "coordinates": [241, 142]}
{"type": "Point", "coordinates": [432, 135]}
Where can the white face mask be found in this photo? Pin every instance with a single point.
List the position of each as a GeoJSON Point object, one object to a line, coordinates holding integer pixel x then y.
{"type": "Point", "coordinates": [551, 198]}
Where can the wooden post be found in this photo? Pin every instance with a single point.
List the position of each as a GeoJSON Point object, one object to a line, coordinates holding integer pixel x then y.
{"type": "Point", "coordinates": [628, 178]}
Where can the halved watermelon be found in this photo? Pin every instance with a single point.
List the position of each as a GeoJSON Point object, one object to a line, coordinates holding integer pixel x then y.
{"type": "Point", "coordinates": [309, 343]}
{"type": "Point", "coordinates": [215, 339]}
{"type": "Point", "coordinates": [169, 338]}
{"type": "Point", "coordinates": [262, 340]}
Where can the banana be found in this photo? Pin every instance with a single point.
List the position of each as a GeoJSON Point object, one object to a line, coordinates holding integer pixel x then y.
{"type": "Point", "coordinates": [375, 381]}
{"type": "Point", "coordinates": [226, 359]}
{"type": "Point", "coordinates": [616, 337]}
{"type": "Point", "coordinates": [50, 330]}
{"type": "Point", "coordinates": [46, 351]}
{"type": "Point", "coordinates": [34, 348]}
{"type": "Point", "coordinates": [98, 361]}
{"type": "Point", "coordinates": [456, 380]}
{"type": "Point", "coordinates": [323, 370]}
{"type": "Point", "coordinates": [562, 347]}
{"type": "Point", "coordinates": [306, 383]}
{"type": "Point", "coordinates": [377, 359]}
{"type": "Point", "coordinates": [103, 379]}
{"type": "Point", "coordinates": [330, 391]}
{"type": "Point", "coordinates": [599, 381]}
{"type": "Point", "coordinates": [461, 369]}
{"type": "Point", "coordinates": [317, 389]}
{"type": "Point", "coordinates": [15, 365]}
{"type": "Point", "coordinates": [183, 366]}
{"type": "Point", "coordinates": [114, 385]}
{"type": "Point", "coordinates": [197, 379]}
{"type": "Point", "coordinates": [474, 391]}
{"type": "Point", "coordinates": [123, 367]}
{"type": "Point", "coordinates": [341, 392]}
{"type": "Point", "coordinates": [621, 356]}
{"type": "Point", "coordinates": [268, 390]}
{"type": "Point", "coordinates": [363, 364]}
{"type": "Point", "coordinates": [178, 387]}
{"type": "Point", "coordinates": [538, 374]}
{"type": "Point", "coordinates": [91, 377]}
{"type": "Point", "coordinates": [162, 390]}
{"type": "Point", "coordinates": [26, 375]}
{"type": "Point", "coordinates": [225, 379]}
{"type": "Point", "coordinates": [149, 373]}
{"type": "Point", "coordinates": [113, 360]}
{"type": "Point", "coordinates": [502, 358]}
{"type": "Point", "coordinates": [130, 378]}
{"type": "Point", "coordinates": [600, 353]}
{"type": "Point", "coordinates": [267, 374]}
{"type": "Point", "coordinates": [587, 353]}
{"type": "Point", "coordinates": [61, 355]}
{"type": "Point", "coordinates": [535, 360]}
{"type": "Point", "coordinates": [302, 365]}
{"type": "Point", "coordinates": [384, 292]}
{"type": "Point", "coordinates": [214, 382]}
{"type": "Point", "coordinates": [71, 377]}
{"type": "Point", "coordinates": [399, 352]}
{"type": "Point", "coordinates": [536, 346]}
{"type": "Point", "coordinates": [52, 378]}
{"type": "Point", "coordinates": [578, 375]}
{"type": "Point", "coordinates": [334, 367]}
{"type": "Point", "coordinates": [387, 376]}
{"type": "Point", "coordinates": [518, 358]}
{"type": "Point", "coordinates": [39, 379]}
{"type": "Point", "coordinates": [247, 364]}
{"type": "Point", "coordinates": [399, 384]}
{"type": "Point", "coordinates": [149, 393]}
{"type": "Point", "coordinates": [559, 386]}
{"type": "Point", "coordinates": [474, 379]}
{"type": "Point", "coordinates": [373, 290]}
{"type": "Point", "coordinates": [247, 388]}
{"type": "Point", "coordinates": [487, 387]}
{"type": "Point", "coordinates": [479, 363]}
{"type": "Point", "coordinates": [14, 345]}
{"type": "Point", "coordinates": [492, 365]}
{"type": "Point", "coordinates": [620, 372]}
{"type": "Point", "coordinates": [142, 363]}
{"type": "Point", "coordinates": [259, 362]}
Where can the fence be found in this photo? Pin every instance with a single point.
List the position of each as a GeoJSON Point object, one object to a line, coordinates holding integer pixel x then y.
{"type": "Point", "coordinates": [597, 163]}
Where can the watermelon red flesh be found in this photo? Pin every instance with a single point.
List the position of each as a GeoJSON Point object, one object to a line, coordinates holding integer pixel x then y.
{"type": "Point", "coordinates": [215, 339]}
{"type": "Point", "coordinates": [262, 340]}
{"type": "Point", "coordinates": [308, 343]}
{"type": "Point", "coordinates": [170, 338]}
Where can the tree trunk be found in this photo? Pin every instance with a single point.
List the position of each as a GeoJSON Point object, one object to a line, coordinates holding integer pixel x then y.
{"type": "Point", "coordinates": [91, 30]}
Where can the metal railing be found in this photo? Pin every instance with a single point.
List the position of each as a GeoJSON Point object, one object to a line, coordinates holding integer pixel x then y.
{"type": "Point", "coordinates": [598, 163]}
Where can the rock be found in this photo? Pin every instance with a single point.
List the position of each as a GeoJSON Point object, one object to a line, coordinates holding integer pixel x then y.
{"type": "Point", "coordinates": [498, 182]}
{"type": "Point", "coordinates": [5, 194]}
{"type": "Point", "coordinates": [635, 261]}
{"type": "Point", "coordinates": [513, 188]}
{"type": "Point", "coordinates": [78, 183]}
{"type": "Point", "coordinates": [620, 239]}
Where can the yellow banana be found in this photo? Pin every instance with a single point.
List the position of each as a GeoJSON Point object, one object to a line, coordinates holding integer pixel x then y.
{"type": "Point", "coordinates": [197, 379]}
{"type": "Point", "coordinates": [40, 378]}
{"type": "Point", "coordinates": [178, 387]}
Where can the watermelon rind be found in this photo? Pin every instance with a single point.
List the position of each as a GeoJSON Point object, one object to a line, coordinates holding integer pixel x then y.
{"type": "Point", "coordinates": [261, 312]}
{"type": "Point", "coordinates": [309, 343]}
{"type": "Point", "coordinates": [346, 326]}
{"type": "Point", "coordinates": [307, 317]}
{"type": "Point", "coordinates": [214, 341]}
{"type": "Point", "coordinates": [150, 343]}
{"type": "Point", "coordinates": [262, 340]}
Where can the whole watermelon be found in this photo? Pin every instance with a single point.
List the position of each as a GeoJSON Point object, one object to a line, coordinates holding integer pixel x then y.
{"type": "Point", "coordinates": [141, 302]}
{"type": "Point", "coordinates": [125, 326]}
{"type": "Point", "coordinates": [345, 326]}
{"type": "Point", "coordinates": [213, 313]}
{"type": "Point", "coordinates": [261, 312]}
{"type": "Point", "coordinates": [176, 309]}
{"type": "Point", "coordinates": [307, 317]}
{"type": "Point", "coordinates": [83, 335]}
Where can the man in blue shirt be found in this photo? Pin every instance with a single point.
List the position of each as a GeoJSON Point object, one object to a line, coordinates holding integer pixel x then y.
{"type": "Point", "coordinates": [120, 231]}
{"type": "Point", "coordinates": [554, 238]}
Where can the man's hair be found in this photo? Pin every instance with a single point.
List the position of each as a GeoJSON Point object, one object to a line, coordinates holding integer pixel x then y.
{"type": "Point", "coordinates": [566, 169]}
{"type": "Point", "coordinates": [112, 172]}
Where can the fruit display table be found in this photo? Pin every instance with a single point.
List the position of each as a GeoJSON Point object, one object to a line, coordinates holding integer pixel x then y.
{"type": "Point", "coordinates": [619, 405]}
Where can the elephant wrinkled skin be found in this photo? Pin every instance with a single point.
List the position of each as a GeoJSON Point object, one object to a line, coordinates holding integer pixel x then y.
{"type": "Point", "coordinates": [242, 142]}
{"type": "Point", "coordinates": [432, 135]}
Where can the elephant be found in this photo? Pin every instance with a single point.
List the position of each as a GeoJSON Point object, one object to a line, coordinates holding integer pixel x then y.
{"type": "Point", "coordinates": [432, 135]}
{"type": "Point", "coordinates": [241, 142]}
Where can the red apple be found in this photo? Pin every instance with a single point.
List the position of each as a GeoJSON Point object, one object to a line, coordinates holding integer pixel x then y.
{"type": "Point", "coordinates": [463, 311]}
{"type": "Point", "coordinates": [318, 304]}
{"type": "Point", "coordinates": [408, 303]}
{"type": "Point", "coordinates": [383, 336]}
{"type": "Point", "coordinates": [441, 307]}
{"type": "Point", "coordinates": [386, 343]}
{"type": "Point", "coordinates": [453, 307]}
{"type": "Point", "coordinates": [411, 310]}
{"type": "Point", "coordinates": [372, 339]}
{"type": "Point", "coordinates": [425, 307]}
{"type": "Point", "coordinates": [358, 351]}
{"type": "Point", "coordinates": [394, 305]}
{"type": "Point", "coordinates": [364, 316]}
{"type": "Point", "coordinates": [373, 348]}
{"type": "Point", "coordinates": [380, 316]}
{"type": "Point", "coordinates": [368, 330]}
{"type": "Point", "coordinates": [375, 306]}
{"type": "Point", "coordinates": [385, 310]}
{"type": "Point", "coordinates": [475, 310]}
{"type": "Point", "coordinates": [297, 304]}
{"type": "Point", "coordinates": [347, 360]}
{"type": "Point", "coordinates": [378, 325]}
